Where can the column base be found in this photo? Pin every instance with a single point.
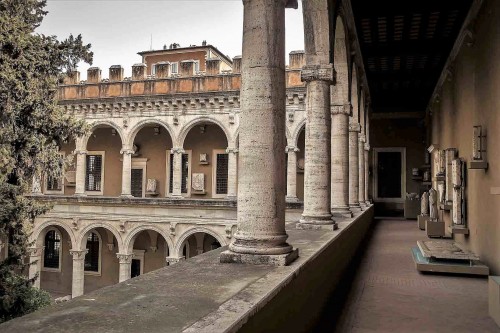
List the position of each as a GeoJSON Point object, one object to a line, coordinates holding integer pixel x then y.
{"type": "Point", "coordinates": [230, 257]}
{"type": "Point", "coordinates": [292, 199]}
{"type": "Point", "coordinates": [342, 212]}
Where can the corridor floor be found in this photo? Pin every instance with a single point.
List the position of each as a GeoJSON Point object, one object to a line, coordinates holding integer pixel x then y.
{"type": "Point", "coordinates": [389, 295]}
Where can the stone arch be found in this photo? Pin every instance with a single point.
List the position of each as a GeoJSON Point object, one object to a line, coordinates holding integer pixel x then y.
{"type": "Point", "coordinates": [143, 123]}
{"type": "Point", "coordinates": [204, 119]}
{"type": "Point", "coordinates": [82, 240]}
{"type": "Point", "coordinates": [301, 125]}
{"type": "Point", "coordinates": [340, 91]}
{"type": "Point", "coordinates": [354, 93]}
{"type": "Point", "coordinates": [192, 231]}
{"type": "Point", "coordinates": [129, 240]}
{"type": "Point", "coordinates": [39, 231]}
{"type": "Point", "coordinates": [98, 123]}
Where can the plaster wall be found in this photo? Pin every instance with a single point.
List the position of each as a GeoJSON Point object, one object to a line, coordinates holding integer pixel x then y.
{"type": "Point", "coordinates": [470, 97]}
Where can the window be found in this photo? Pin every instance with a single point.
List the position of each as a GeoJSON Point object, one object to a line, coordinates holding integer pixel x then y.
{"type": "Point", "coordinates": [93, 254]}
{"type": "Point", "coordinates": [94, 177]}
{"type": "Point", "coordinates": [52, 252]}
{"type": "Point", "coordinates": [174, 68]}
{"type": "Point", "coordinates": [153, 69]}
{"type": "Point", "coordinates": [196, 66]}
{"type": "Point", "coordinates": [136, 182]}
{"type": "Point", "coordinates": [220, 173]}
{"type": "Point", "coordinates": [185, 174]}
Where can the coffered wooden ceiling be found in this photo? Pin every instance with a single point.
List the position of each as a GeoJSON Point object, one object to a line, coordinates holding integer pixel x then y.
{"type": "Point", "coordinates": [405, 44]}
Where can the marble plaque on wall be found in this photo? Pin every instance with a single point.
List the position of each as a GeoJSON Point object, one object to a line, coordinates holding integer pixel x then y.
{"type": "Point", "coordinates": [198, 182]}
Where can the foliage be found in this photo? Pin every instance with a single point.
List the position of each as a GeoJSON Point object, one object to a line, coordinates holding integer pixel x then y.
{"type": "Point", "coordinates": [32, 127]}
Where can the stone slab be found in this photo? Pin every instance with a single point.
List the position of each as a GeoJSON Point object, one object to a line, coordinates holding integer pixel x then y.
{"type": "Point", "coordinates": [310, 226]}
{"type": "Point", "coordinates": [424, 264]}
{"type": "Point", "coordinates": [229, 257]}
{"type": "Point", "coordinates": [478, 165]}
{"type": "Point", "coordinates": [458, 230]}
{"type": "Point", "coordinates": [434, 228]}
{"type": "Point", "coordinates": [444, 249]}
{"type": "Point", "coordinates": [421, 220]}
{"type": "Point", "coordinates": [494, 298]}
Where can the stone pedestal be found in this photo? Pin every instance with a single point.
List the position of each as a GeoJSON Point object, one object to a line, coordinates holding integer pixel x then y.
{"type": "Point", "coordinates": [261, 236]}
{"type": "Point", "coordinates": [125, 261]}
{"type": "Point", "coordinates": [421, 221]}
{"type": "Point", "coordinates": [340, 161]}
{"type": "Point", "coordinates": [78, 272]}
{"type": "Point", "coordinates": [435, 228]}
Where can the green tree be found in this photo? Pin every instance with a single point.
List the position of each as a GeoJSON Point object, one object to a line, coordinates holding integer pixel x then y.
{"type": "Point", "coordinates": [32, 127]}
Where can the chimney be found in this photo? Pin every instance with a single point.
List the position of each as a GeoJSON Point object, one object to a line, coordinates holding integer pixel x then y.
{"type": "Point", "coordinates": [213, 66]}
{"type": "Point", "coordinates": [187, 68]}
{"type": "Point", "coordinates": [116, 73]}
{"type": "Point", "coordinates": [94, 75]}
{"type": "Point", "coordinates": [162, 70]}
{"type": "Point", "coordinates": [296, 60]}
{"type": "Point", "coordinates": [237, 65]}
{"type": "Point", "coordinates": [72, 77]}
{"type": "Point", "coordinates": [139, 71]}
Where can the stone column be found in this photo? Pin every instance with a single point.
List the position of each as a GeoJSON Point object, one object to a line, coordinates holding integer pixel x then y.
{"type": "Point", "coordinates": [177, 174]}
{"type": "Point", "coordinates": [354, 130]}
{"type": "Point", "coordinates": [125, 261]}
{"type": "Point", "coordinates": [232, 177]}
{"type": "Point", "coordinates": [35, 264]}
{"type": "Point", "coordinates": [340, 160]}
{"type": "Point", "coordinates": [317, 169]}
{"type": "Point", "coordinates": [81, 161]}
{"type": "Point", "coordinates": [361, 148]}
{"type": "Point", "coordinates": [367, 174]}
{"type": "Point", "coordinates": [291, 179]}
{"type": "Point", "coordinates": [261, 236]}
{"type": "Point", "coordinates": [78, 272]}
{"type": "Point", "coordinates": [127, 172]}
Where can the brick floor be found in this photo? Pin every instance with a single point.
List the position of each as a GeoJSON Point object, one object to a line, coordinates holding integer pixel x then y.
{"type": "Point", "coordinates": [389, 295]}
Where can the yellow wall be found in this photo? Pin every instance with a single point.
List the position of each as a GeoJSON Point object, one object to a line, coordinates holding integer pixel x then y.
{"type": "Point", "coordinates": [471, 98]}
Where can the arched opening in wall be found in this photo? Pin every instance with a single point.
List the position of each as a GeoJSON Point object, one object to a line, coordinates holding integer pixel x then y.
{"type": "Point", "coordinates": [208, 161]}
{"type": "Point", "coordinates": [103, 171]}
{"type": "Point", "coordinates": [152, 145]}
{"type": "Point", "coordinates": [65, 184]}
{"type": "Point", "coordinates": [199, 243]}
{"type": "Point", "coordinates": [57, 263]}
{"type": "Point", "coordinates": [101, 267]}
{"type": "Point", "coordinates": [301, 145]}
{"type": "Point", "coordinates": [150, 250]}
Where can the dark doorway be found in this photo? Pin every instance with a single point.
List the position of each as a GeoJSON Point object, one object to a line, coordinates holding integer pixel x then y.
{"type": "Point", "coordinates": [389, 174]}
{"type": "Point", "coordinates": [136, 268]}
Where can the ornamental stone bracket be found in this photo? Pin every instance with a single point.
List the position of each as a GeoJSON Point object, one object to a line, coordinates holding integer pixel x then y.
{"type": "Point", "coordinates": [367, 147]}
{"type": "Point", "coordinates": [172, 227]}
{"type": "Point", "coordinates": [355, 127]}
{"type": "Point", "coordinates": [318, 73]}
{"type": "Point", "coordinates": [123, 226]}
{"type": "Point", "coordinates": [75, 222]}
{"type": "Point", "coordinates": [362, 138]}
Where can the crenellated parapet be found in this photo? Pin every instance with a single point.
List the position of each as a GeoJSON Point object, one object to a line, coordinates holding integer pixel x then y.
{"type": "Point", "coordinates": [185, 81]}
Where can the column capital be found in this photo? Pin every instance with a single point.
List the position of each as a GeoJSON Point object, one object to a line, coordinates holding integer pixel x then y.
{"type": "Point", "coordinates": [177, 150]}
{"type": "Point", "coordinates": [232, 150]}
{"type": "Point", "coordinates": [124, 258]}
{"type": "Point", "coordinates": [345, 109]}
{"type": "Point", "coordinates": [127, 151]}
{"type": "Point", "coordinates": [318, 73]}
{"type": "Point", "coordinates": [367, 147]}
{"type": "Point", "coordinates": [354, 127]}
{"type": "Point", "coordinates": [362, 138]}
{"type": "Point", "coordinates": [35, 251]}
{"type": "Point", "coordinates": [78, 254]}
{"type": "Point", "coordinates": [81, 152]}
{"type": "Point", "coordinates": [291, 149]}
{"type": "Point", "coordinates": [174, 260]}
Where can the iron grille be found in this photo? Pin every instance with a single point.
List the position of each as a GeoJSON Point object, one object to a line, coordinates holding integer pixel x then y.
{"type": "Point", "coordinates": [93, 181]}
{"type": "Point", "coordinates": [136, 183]}
{"type": "Point", "coordinates": [171, 174]}
{"type": "Point", "coordinates": [221, 173]}
{"type": "Point", "coordinates": [92, 256]}
{"type": "Point", "coordinates": [52, 249]}
{"type": "Point", "coordinates": [185, 174]}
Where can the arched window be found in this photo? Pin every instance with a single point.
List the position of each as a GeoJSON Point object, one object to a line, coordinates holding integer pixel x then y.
{"type": "Point", "coordinates": [215, 245]}
{"type": "Point", "coordinates": [52, 253]}
{"type": "Point", "coordinates": [93, 254]}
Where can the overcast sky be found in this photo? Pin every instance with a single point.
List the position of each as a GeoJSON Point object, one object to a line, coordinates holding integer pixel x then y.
{"type": "Point", "coordinates": [118, 29]}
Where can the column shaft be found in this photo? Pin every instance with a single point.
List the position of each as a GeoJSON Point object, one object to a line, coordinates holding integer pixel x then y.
{"type": "Point", "coordinates": [354, 166]}
{"type": "Point", "coordinates": [340, 161]}
{"type": "Point", "coordinates": [127, 172]}
{"type": "Point", "coordinates": [232, 177]}
{"type": "Point", "coordinates": [361, 148]}
{"type": "Point", "coordinates": [317, 169]}
{"type": "Point", "coordinates": [291, 179]}
{"type": "Point", "coordinates": [125, 261]}
{"type": "Point", "coordinates": [261, 236]}
{"type": "Point", "coordinates": [367, 173]}
{"type": "Point", "coordinates": [78, 272]}
{"type": "Point", "coordinates": [35, 267]}
{"type": "Point", "coordinates": [81, 161]}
